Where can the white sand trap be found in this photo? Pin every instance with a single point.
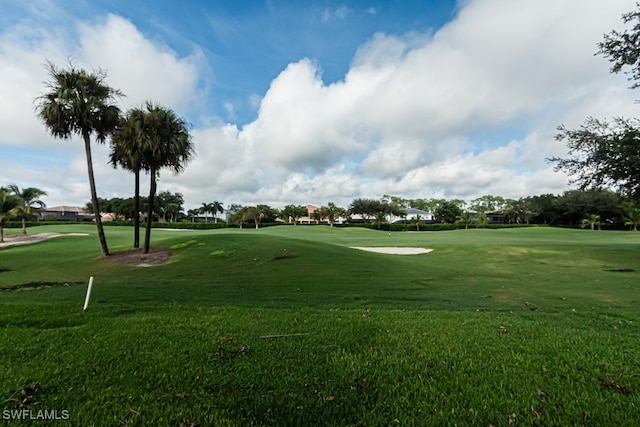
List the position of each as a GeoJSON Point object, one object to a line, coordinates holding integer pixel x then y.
{"type": "Point", "coordinates": [27, 239]}
{"type": "Point", "coordinates": [394, 250]}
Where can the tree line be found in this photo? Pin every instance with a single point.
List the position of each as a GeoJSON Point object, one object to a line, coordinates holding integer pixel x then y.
{"type": "Point", "coordinates": [571, 208]}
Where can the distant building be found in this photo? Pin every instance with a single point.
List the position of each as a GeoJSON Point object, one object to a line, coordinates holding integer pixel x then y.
{"type": "Point", "coordinates": [65, 213]}
{"type": "Point", "coordinates": [308, 219]}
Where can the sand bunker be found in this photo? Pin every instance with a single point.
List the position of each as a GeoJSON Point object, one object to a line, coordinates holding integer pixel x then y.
{"type": "Point", "coordinates": [27, 239]}
{"type": "Point", "coordinates": [394, 250]}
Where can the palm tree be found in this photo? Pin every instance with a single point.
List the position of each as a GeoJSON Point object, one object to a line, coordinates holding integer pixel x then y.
{"type": "Point", "coordinates": [167, 145]}
{"type": "Point", "coordinates": [127, 151]}
{"type": "Point", "coordinates": [632, 218]}
{"type": "Point", "coordinates": [380, 218]}
{"type": "Point", "coordinates": [254, 213]}
{"type": "Point", "coordinates": [464, 219]}
{"type": "Point", "coordinates": [417, 220]}
{"type": "Point", "coordinates": [591, 220]}
{"type": "Point", "coordinates": [331, 212]}
{"type": "Point", "coordinates": [482, 220]}
{"type": "Point", "coordinates": [192, 213]}
{"type": "Point", "coordinates": [80, 103]}
{"type": "Point", "coordinates": [8, 204]}
{"type": "Point", "coordinates": [204, 209]}
{"type": "Point", "coordinates": [29, 203]}
{"type": "Point", "coordinates": [238, 216]}
{"type": "Point", "coordinates": [216, 208]}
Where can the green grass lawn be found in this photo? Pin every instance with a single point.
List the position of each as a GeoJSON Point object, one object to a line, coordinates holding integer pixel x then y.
{"type": "Point", "coordinates": [290, 326]}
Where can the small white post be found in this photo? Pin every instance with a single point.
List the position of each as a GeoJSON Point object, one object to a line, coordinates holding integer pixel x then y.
{"type": "Point", "coordinates": [86, 300]}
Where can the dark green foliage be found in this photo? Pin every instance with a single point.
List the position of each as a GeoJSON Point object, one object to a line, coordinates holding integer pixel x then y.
{"type": "Point", "coordinates": [603, 154]}
{"type": "Point", "coordinates": [447, 212]}
{"type": "Point", "coordinates": [622, 49]}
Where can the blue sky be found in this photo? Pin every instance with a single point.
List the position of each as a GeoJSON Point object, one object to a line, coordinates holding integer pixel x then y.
{"type": "Point", "coordinates": [319, 101]}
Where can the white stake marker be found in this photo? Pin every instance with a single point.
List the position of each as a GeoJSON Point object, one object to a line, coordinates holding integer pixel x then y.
{"type": "Point", "coordinates": [86, 300]}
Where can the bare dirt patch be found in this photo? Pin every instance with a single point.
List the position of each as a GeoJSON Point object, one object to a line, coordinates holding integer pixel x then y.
{"type": "Point", "coordinates": [137, 257]}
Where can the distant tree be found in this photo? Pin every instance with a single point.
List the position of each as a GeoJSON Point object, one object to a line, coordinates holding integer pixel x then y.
{"type": "Point", "coordinates": [316, 216]}
{"type": "Point", "coordinates": [254, 213]}
{"type": "Point", "coordinates": [269, 214]}
{"type": "Point", "coordinates": [331, 212]}
{"type": "Point", "coordinates": [417, 220]}
{"type": "Point", "coordinates": [590, 221]}
{"type": "Point", "coordinates": [632, 218]}
{"type": "Point", "coordinates": [168, 206]}
{"type": "Point", "coordinates": [8, 205]}
{"type": "Point", "coordinates": [427, 205]}
{"type": "Point", "coordinates": [447, 212]}
{"type": "Point", "coordinates": [391, 209]}
{"type": "Point", "coordinates": [366, 207]}
{"type": "Point", "coordinates": [465, 218]}
{"type": "Point", "coordinates": [192, 214]}
{"type": "Point", "coordinates": [204, 209]}
{"type": "Point", "coordinates": [237, 215]}
{"type": "Point", "coordinates": [380, 219]}
{"type": "Point", "coordinates": [401, 202]}
{"type": "Point", "coordinates": [543, 208]}
{"type": "Point", "coordinates": [80, 103]}
{"type": "Point", "coordinates": [293, 212]}
{"type": "Point", "coordinates": [487, 203]}
{"type": "Point", "coordinates": [30, 203]}
{"type": "Point", "coordinates": [482, 220]}
{"type": "Point", "coordinates": [217, 207]}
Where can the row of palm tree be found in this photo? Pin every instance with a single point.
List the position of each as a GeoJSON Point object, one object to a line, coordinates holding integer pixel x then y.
{"type": "Point", "coordinates": [148, 138]}
{"type": "Point", "coordinates": [19, 203]}
{"type": "Point", "coordinates": [631, 218]}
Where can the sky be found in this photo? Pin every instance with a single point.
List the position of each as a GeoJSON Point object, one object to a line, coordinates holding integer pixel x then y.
{"type": "Point", "coordinates": [311, 102]}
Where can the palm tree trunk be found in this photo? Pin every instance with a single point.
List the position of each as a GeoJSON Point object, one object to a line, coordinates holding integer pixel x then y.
{"type": "Point", "coordinates": [1, 232]}
{"type": "Point", "coordinates": [24, 225]}
{"type": "Point", "coordinates": [152, 193]}
{"type": "Point", "coordinates": [94, 195]}
{"type": "Point", "coordinates": [136, 210]}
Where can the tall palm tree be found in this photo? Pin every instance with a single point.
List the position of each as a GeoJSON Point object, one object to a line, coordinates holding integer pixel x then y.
{"type": "Point", "coordinates": [80, 103]}
{"type": "Point", "coordinates": [217, 208]}
{"type": "Point", "coordinates": [127, 151]}
{"type": "Point", "coordinates": [167, 145]}
{"type": "Point", "coordinates": [8, 204]}
{"type": "Point", "coordinates": [29, 203]}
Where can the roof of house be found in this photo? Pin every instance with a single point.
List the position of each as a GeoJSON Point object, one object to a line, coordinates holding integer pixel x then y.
{"type": "Point", "coordinates": [414, 211]}
{"type": "Point", "coordinates": [73, 209]}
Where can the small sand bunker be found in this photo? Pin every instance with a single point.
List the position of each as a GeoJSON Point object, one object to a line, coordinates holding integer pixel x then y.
{"type": "Point", "coordinates": [394, 250]}
{"type": "Point", "coordinates": [27, 239]}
